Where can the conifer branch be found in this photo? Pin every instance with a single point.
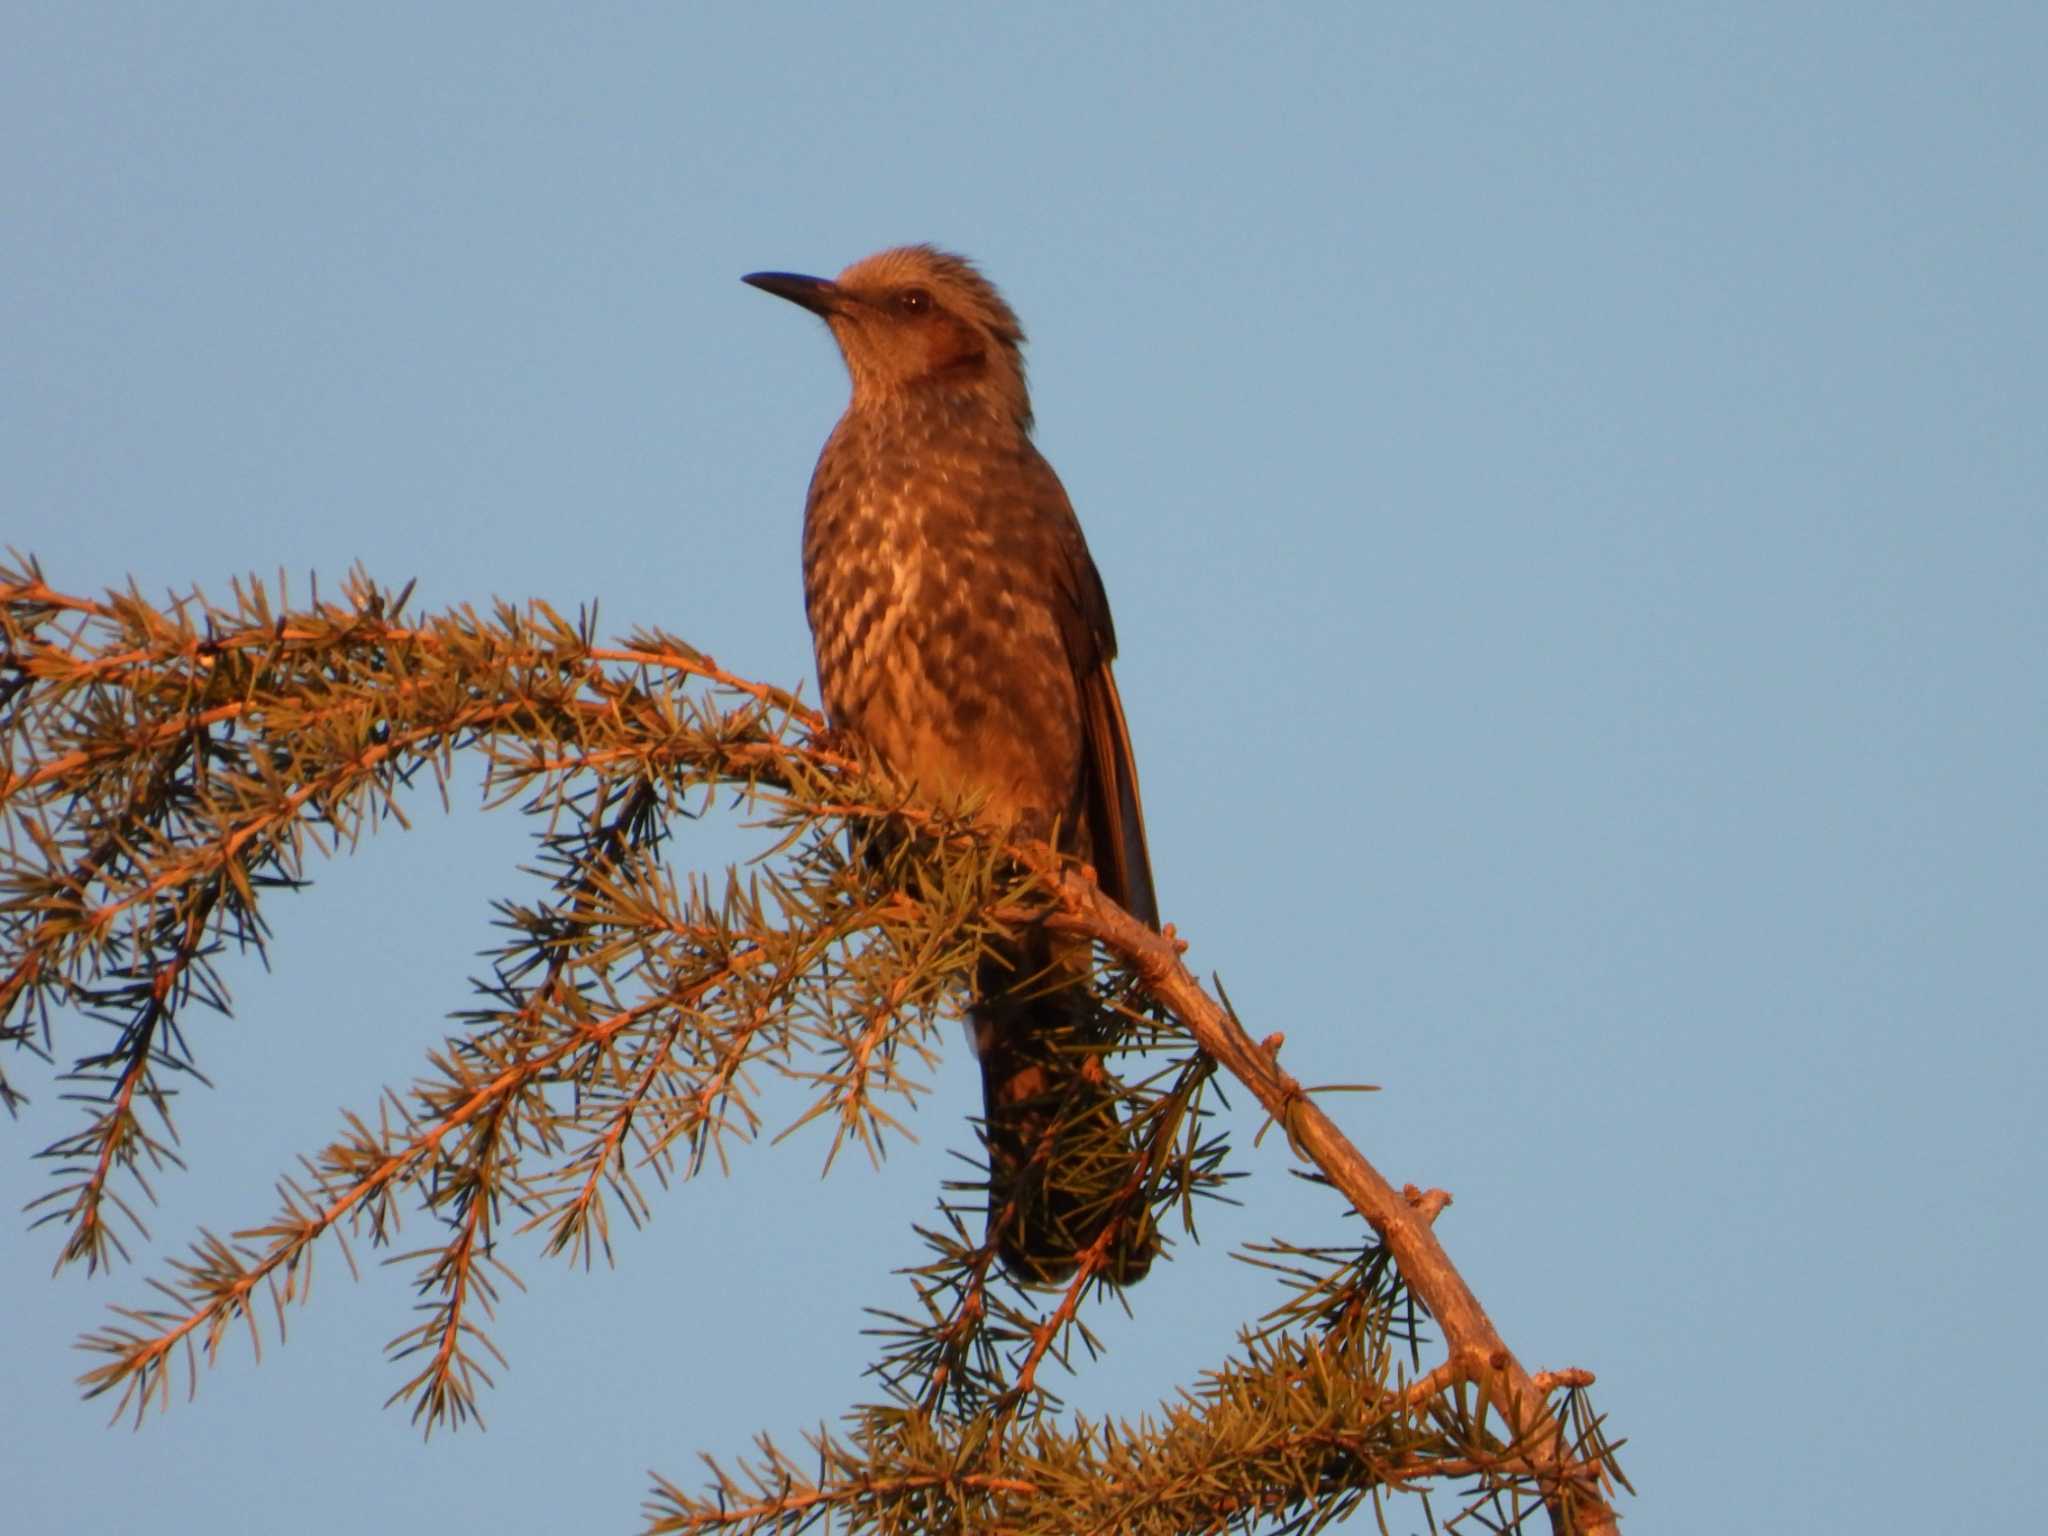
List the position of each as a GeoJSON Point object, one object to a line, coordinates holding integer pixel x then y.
{"type": "Point", "coordinates": [165, 770]}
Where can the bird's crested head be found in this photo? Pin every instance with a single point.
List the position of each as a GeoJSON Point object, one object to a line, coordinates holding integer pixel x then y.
{"type": "Point", "coordinates": [914, 319]}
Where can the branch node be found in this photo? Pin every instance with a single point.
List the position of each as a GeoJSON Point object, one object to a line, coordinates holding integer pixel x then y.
{"type": "Point", "coordinates": [1428, 1203]}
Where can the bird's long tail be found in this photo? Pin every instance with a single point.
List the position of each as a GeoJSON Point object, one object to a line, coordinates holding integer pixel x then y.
{"type": "Point", "coordinates": [1061, 1163]}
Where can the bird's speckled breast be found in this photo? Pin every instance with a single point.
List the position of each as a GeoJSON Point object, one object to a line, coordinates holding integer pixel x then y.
{"type": "Point", "coordinates": [938, 553]}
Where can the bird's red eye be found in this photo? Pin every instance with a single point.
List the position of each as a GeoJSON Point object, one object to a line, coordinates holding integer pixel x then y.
{"type": "Point", "coordinates": [914, 301]}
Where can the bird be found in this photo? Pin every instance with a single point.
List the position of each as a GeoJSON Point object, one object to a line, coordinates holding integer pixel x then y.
{"type": "Point", "coordinates": [962, 634]}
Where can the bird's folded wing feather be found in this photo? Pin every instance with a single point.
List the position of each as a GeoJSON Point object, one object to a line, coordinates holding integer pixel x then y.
{"type": "Point", "coordinates": [1116, 817]}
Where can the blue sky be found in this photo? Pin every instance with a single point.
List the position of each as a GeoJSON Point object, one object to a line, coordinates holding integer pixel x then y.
{"type": "Point", "coordinates": [1571, 485]}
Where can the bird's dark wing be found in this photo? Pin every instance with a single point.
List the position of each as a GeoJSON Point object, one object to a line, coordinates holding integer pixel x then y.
{"type": "Point", "coordinates": [1116, 817]}
{"type": "Point", "coordinates": [1113, 816]}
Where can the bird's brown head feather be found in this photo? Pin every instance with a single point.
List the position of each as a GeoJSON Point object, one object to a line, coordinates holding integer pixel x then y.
{"type": "Point", "coordinates": [917, 318]}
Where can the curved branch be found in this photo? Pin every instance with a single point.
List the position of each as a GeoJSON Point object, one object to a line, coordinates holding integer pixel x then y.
{"type": "Point", "coordinates": [546, 703]}
{"type": "Point", "coordinates": [1477, 1351]}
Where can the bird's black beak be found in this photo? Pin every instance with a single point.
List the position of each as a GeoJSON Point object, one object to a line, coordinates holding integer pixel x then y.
{"type": "Point", "coordinates": [816, 294]}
